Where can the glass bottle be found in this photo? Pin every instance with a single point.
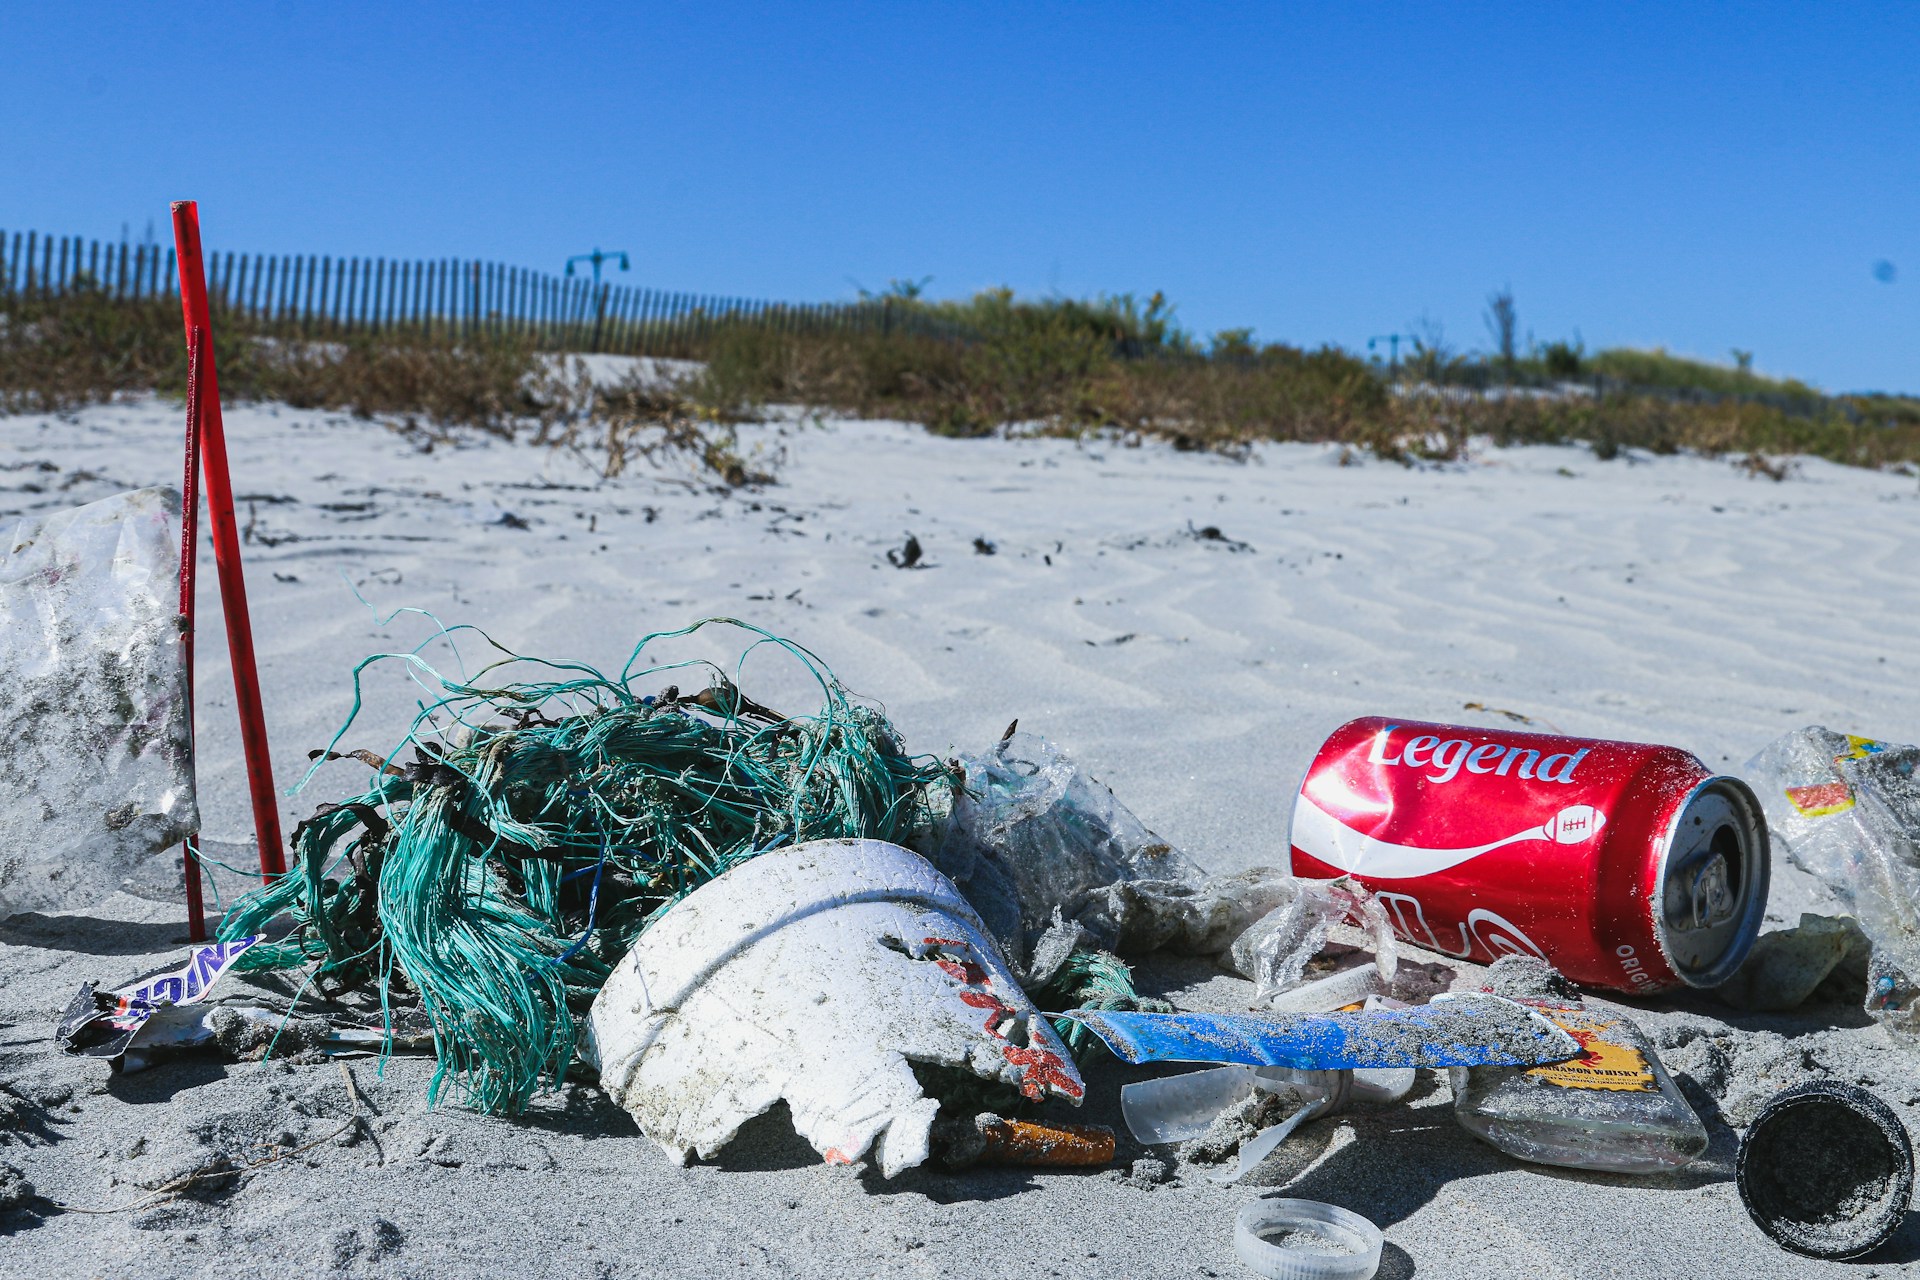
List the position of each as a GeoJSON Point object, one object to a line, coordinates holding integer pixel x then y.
{"type": "Point", "coordinates": [1613, 1109]}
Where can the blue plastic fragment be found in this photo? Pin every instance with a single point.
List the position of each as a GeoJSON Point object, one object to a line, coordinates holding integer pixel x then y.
{"type": "Point", "coordinates": [1452, 1033]}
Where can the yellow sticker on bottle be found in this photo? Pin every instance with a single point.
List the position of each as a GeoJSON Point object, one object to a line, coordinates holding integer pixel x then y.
{"type": "Point", "coordinates": [1606, 1064]}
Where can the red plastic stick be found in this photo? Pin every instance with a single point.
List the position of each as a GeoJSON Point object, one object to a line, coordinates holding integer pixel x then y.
{"type": "Point", "coordinates": [226, 544]}
{"type": "Point", "coordinates": [189, 547]}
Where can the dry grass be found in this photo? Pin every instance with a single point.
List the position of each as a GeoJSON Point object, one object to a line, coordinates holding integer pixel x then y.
{"type": "Point", "coordinates": [1066, 379]}
{"type": "Point", "coordinates": [968, 368]}
{"type": "Point", "coordinates": [59, 354]}
{"type": "Point", "coordinates": [641, 418]}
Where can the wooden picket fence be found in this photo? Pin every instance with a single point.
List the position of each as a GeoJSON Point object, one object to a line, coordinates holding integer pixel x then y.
{"type": "Point", "coordinates": [325, 297]}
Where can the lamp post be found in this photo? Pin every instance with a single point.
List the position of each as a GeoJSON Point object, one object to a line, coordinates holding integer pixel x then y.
{"type": "Point", "coordinates": [1393, 349]}
{"type": "Point", "coordinates": [598, 258]}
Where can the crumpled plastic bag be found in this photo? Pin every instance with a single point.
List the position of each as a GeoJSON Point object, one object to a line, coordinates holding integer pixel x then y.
{"type": "Point", "coordinates": [1034, 833]}
{"type": "Point", "coordinates": [96, 766]}
{"type": "Point", "coordinates": [1847, 810]}
{"type": "Point", "coordinates": [823, 974]}
{"type": "Point", "coordinates": [1276, 950]}
{"type": "Point", "coordinates": [1199, 918]}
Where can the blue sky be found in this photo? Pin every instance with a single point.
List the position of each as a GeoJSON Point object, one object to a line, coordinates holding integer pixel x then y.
{"type": "Point", "coordinates": [1702, 177]}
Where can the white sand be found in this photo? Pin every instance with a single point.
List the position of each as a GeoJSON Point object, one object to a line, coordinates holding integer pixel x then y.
{"type": "Point", "coordinates": [1671, 600]}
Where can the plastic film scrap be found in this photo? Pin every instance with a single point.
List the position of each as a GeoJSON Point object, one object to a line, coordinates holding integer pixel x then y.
{"type": "Point", "coordinates": [1276, 950]}
{"type": "Point", "coordinates": [98, 769]}
{"type": "Point", "coordinates": [1033, 833]}
{"type": "Point", "coordinates": [1847, 810]}
{"type": "Point", "coordinates": [818, 975]}
{"type": "Point", "coordinates": [108, 1024]}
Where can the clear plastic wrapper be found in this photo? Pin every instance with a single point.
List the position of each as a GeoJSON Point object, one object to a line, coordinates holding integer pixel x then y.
{"type": "Point", "coordinates": [1276, 950]}
{"type": "Point", "coordinates": [1181, 1108]}
{"type": "Point", "coordinates": [1222, 1108]}
{"type": "Point", "coordinates": [97, 771]}
{"type": "Point", "coordinates": [1234, 1117]}
{"type": "Point", "coordinates": [1034, 835]}
{"type": "Point", "coordinates": [1847, 809]}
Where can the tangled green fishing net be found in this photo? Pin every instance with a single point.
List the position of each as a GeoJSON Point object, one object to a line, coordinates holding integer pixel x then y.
{"type": "Point", "coordinates": [541, 825]}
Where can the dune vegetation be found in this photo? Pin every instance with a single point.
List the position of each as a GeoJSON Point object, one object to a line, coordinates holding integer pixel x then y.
{"type": "Point", "coordinates": [975, 366]}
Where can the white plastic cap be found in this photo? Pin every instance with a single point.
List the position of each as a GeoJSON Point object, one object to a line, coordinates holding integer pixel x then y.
{"type": "Point", "coordinates": [1327, 1242]}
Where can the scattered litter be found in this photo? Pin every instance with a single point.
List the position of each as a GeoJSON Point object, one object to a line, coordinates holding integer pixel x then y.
{"type": "Point", "coordinates": [1339, 990]}
{"type": "Point", "coordinates": [544, 825]}
{"type": "Point", "coordinates": [1278, 1102]}
{"type": "Point", "coordinates": [723, 909]}
{"type": "Point", "coordinates": [819, 974]}
{"type": "Point", "coordinates": [1613, 1108]}
{"type": "Point", "coordinates": [1827, 1170]}
{"type": "Point", "coordinates": [993, 1140]}
{"type": "Point", "coordinates": [245, 1033]}
{"type": "Point", "coordinates": [180, 1028]}
{"type": "Point", "coordinates": [1239, 1123]}
{"type": "Point", "coordinates": [1282, 1239]}
{"type": "Point", "coordinates": [906, 557]}
{"type": "Point", "coordinates": [1276, 950]}
{"type": "Point", "coordinates": [1032, 834]}
{"type": "Point", "coordinates": [107, 1024]}
{"type": "Point", "coordinates": [1246, 1110]}
{"type": "Point", "coordinates": [1847, 810]}
{"type": "Point", "coordinates": [98, 770]}
{"type": "Point", "coordinates": [1181, 1108]}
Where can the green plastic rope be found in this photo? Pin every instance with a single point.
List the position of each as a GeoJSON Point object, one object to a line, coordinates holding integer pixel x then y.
{"type": "Point", "coordinates": [1092, 979]}
{"type": "Point", "coordinates": [543, 825]}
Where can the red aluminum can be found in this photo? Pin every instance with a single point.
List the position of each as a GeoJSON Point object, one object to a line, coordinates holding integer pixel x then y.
{"type": "Point", "coordinates": [1628, 867]}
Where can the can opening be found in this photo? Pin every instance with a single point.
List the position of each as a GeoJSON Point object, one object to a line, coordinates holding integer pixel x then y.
{"type": "Point", "coordinates": [1713, 883]}
{"type": "Point", "coordinates": [1715, 888]}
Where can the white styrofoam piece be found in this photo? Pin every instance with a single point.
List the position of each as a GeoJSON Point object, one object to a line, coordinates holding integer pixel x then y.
{"type": "Point", "coordinates": [816, 974]}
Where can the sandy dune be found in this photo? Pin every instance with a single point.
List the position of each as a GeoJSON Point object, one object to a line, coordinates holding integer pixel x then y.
{"type": "Point", "coordinates": [1189, 626]}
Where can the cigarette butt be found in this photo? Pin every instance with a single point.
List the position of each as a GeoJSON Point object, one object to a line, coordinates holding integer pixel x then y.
{"type": "Point", "coordinates": [1025, 1142]}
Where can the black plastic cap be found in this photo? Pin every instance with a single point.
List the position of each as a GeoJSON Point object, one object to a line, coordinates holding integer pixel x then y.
{"type": "Point", "coordinates": [1826, 1170]}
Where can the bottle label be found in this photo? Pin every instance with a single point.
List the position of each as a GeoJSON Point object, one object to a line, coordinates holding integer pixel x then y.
{"type": "Point", "coordinates": [1605, 1064]}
